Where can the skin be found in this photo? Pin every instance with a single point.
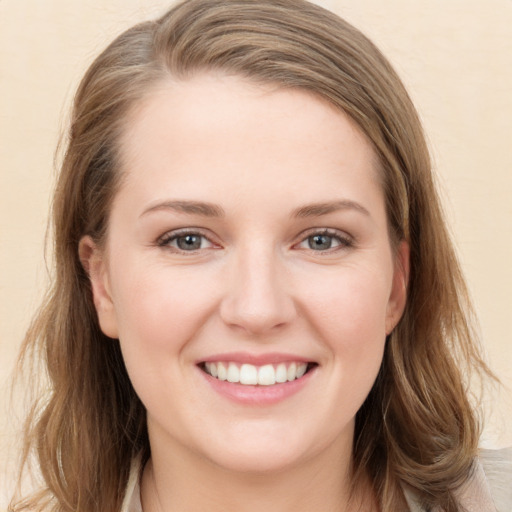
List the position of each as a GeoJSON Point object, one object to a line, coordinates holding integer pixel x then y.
{"type": "Point", "coordinates": [256, 284]}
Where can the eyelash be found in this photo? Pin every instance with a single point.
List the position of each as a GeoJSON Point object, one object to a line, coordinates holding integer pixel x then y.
{"type": "Point", "coordinates": [344, 241]}
{"type": "Point", "coordinates": [165, 240]}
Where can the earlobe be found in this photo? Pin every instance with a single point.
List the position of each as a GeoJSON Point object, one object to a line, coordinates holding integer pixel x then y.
{"type": "Point", "coordinates": [398, 297]}
{"type": "Point", "coordinates": [93, 261]}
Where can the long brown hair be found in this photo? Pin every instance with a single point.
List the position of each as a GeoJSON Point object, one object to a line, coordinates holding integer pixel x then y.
{"type": "Point", "coordinates": [417, 428]}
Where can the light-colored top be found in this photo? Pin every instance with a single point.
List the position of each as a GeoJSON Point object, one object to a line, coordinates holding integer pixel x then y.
{"type": "Point", "coordinates": [488, 490]}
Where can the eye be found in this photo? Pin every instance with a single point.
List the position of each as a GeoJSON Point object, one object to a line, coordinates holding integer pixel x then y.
{"type": "Point", "coordinates": [325, 240]}
{"type": "Point", "coordinates": [185, 241]}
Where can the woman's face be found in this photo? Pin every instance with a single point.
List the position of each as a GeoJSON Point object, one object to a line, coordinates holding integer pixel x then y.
{"type": "Point", "coordinates": [248, 244]}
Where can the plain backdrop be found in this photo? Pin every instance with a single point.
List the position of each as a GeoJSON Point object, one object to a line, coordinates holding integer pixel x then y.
{"type": "Point", "coordinates": [455, 57]}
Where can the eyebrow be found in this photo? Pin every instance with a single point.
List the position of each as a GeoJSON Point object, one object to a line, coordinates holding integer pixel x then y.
{"type": "Point", "coordinates": [318, 209]}
{"type": "Point", "coordinates": [212, 210]}
{"type": "Point", "coordinates": [189, 207]}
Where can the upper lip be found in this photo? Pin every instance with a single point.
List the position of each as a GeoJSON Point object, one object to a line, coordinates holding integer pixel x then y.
{"type": "Point", "coordinates": [255, 359]}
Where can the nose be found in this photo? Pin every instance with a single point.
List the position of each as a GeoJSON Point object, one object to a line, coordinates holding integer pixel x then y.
{"type": "Point", "coordinates": [258, 297]}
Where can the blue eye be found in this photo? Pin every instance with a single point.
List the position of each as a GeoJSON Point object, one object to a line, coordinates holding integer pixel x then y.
{"type": "Point", "coordinates": [189, 242]}
{"type": "Point", "coordinates": [324, 241]}
{"type": "Point", "coordinates": [185, 241]}
{"type": "Point", "coordinates": [320, 242]}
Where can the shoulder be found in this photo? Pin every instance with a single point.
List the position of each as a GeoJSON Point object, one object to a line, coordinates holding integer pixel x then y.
{"type": "Point", "coordinates": [131, 502]}
{"type": "Point", "coordinates": [489, 489]}
{"type": "Point", "coordinates": [497, 468]}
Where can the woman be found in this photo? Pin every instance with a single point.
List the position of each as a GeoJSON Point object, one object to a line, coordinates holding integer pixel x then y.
{"type": "Point", "coordinates": [256, 300]}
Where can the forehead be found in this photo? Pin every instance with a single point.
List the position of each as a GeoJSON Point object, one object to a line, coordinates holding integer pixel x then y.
{"type": "Point", "coordinates": [207, 100]}
{"type": "Point", "coordinates": [215, 128]}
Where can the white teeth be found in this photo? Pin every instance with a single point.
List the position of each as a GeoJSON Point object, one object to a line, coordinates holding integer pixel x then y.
{"type": "Point", "coordinates": [233, 373]}
{"type": "Point", "coordinates": [222, 372]}
{"type": "Point", "coordinates": [266, 375]}
{"type": "Point", "coordinates": [281, 373]}
{"type": "Point", "coordinates": [250, 375]}
{"type": "Point", "coordinates": [301, 369]}
{"type": "Point", "coordinates": [292, 371]}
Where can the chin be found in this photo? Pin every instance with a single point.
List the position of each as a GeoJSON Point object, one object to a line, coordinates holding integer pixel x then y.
{"type": "Point", "coordinates": [256, 462]}
{"type": "Point", "coordinates": [255, 452]}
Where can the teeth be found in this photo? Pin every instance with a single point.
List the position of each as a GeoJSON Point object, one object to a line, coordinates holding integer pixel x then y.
{"type": "Point", "coordinates": [292, 371]}
{"type": "Point", "coordinates": [266, 375]}
{"type": "Point", "coordinates": [301, 370]}
{"type": "Point", "coordinates": [233, 373]}
{"type": "Point", "coordinates": [281, 373]}
{"type": "Point", "coordinates": [222, 372]}
{"type": "Point", "coordinates": [250, 375]}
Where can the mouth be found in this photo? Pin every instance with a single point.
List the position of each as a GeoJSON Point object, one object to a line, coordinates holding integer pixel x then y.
{"type": "Point", "coordinates": [252, 375]}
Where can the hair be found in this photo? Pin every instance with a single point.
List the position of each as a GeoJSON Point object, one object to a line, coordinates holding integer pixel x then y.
{"type": "Point", "coordinates": [417, 428]}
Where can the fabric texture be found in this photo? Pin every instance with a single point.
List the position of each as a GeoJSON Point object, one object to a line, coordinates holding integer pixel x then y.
{"type": "Point", "coordinates": [488, 490]}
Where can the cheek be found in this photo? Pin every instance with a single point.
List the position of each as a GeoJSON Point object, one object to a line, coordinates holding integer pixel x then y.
{"type": "Point", "coordinates": [348, 314]}
{"type": "Point", "coordinates": [159, 311]}
{"type": "Point", "coordinates": [350, 305]}
{"type": "Point", "coordinates": [161, 307]}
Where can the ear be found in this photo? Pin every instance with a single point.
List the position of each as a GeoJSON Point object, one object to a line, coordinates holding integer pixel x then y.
{"type": "Point", "coordinates": [398, 296]}
{"type": "Point", "coordinates": [94, 262]}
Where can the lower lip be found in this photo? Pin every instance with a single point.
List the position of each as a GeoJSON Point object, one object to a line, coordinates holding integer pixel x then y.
{"type": "Point", "coordinates": [257, 395]}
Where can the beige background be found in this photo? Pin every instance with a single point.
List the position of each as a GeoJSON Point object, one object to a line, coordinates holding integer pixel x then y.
{"type": "Point", "coordinates": [454, 55]}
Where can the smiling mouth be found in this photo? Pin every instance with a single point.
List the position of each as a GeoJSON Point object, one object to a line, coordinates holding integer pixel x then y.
{"type": "Point", "coordinates": [251, 375]}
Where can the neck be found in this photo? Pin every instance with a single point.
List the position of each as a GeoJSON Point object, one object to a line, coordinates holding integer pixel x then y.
{"type": "Point", "coordinates": [184, 482]}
